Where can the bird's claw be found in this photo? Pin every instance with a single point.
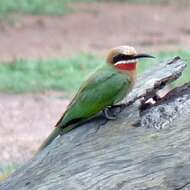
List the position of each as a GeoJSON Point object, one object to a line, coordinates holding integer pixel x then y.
{"type": "Point", "coordinates": [111, 112]}
{"type": "Point", "coordinates": [108, 115]}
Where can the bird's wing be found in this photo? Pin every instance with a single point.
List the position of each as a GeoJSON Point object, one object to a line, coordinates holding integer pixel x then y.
{"type": "Point", "coordinates": [101, 90]}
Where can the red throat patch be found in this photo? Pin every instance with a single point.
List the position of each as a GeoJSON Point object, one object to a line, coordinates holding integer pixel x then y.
{"type": "Point", "coordinates": [127, 67]}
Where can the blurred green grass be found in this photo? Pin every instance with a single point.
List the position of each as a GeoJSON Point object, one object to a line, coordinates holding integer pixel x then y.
{"type": "Point", "coordinates": [6, 170]}
{"type": "Point", "coordinates": [34, 7]}
{"type": "Point", "coordinates": [37, 75]}
{"type": "Point", "coordinates": [60, 7]}
{"type": "Point", "coordinates": [63, 74]}
{"type": "Point", "coordinates": [50, 7]}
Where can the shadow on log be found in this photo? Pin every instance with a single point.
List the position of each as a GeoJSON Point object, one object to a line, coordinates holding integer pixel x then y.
{"type": "Point", "coordinates": [118, 155]}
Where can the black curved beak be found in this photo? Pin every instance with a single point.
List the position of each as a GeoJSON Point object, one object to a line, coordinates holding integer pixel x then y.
{"type": "Point", "coordinates": [138, 56]}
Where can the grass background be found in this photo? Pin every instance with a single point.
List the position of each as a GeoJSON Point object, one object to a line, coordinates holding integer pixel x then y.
{"type": "Point", "coordinates": [60, 7]}
{"type": "Point", "coordinates": [6, 170]}
{"type": "Point", "coordinates": [67, 74]}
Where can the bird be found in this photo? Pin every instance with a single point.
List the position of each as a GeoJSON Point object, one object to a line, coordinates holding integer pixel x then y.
{"type": "Point", "coordinates": [106, 87]}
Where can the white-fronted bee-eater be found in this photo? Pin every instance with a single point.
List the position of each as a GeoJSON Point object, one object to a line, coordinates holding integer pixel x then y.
{"type": "Point", "coordinates": [107, 86]}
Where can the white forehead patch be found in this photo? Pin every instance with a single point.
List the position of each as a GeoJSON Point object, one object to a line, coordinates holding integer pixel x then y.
{"type": "Point", "coordinates": [126, 49]}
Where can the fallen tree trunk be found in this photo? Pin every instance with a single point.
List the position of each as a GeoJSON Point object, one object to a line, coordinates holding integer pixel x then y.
{"type": "Point", "coordinates": [127, 153]}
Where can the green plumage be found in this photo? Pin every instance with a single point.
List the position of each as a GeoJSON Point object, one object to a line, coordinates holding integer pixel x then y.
{"type": "Point", "coordinates": [105, 87]}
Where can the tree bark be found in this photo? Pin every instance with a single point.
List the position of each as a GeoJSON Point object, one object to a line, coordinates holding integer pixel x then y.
{"type": "Point", "coordinates": [131, 152]}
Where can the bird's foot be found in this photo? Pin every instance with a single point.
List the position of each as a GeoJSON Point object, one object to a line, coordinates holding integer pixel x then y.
{"type": "Point", "coordinates": [108, 114]}
{"type": "Point", "coordinates": [112, 111]}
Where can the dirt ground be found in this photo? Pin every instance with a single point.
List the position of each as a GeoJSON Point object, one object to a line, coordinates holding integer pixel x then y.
{"type": "Point", "coordinates": [27, 119]}
{"type": "Point", "coordinates": [96, 28]}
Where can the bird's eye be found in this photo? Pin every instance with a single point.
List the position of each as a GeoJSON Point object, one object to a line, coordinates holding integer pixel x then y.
{"type": "Point", "coordinates": [121, 57]}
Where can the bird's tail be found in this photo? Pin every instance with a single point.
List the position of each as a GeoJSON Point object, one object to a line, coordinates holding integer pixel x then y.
{"type": "Point", "coordinates": [50, 138]}
{"type": "Point", "coordinates": [60, 128]}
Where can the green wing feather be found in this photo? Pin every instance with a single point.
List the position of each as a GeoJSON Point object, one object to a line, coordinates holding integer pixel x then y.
{"type": "Point", "coordinates": [105, 87]}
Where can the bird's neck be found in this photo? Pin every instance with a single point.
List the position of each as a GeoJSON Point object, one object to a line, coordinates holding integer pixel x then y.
{"type": "Point", "coordinates": [132, 73]}
{"type": "Point", "coordinates": [129, 69]}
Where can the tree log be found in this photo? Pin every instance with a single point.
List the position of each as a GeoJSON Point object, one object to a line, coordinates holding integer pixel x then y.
{"type": "Point", "coordinates": [146, 147]}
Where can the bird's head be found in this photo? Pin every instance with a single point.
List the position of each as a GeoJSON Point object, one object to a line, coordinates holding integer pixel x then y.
{"type": "Point", "coordinates": [125, 58]}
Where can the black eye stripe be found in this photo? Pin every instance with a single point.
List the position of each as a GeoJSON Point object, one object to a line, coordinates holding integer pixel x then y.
{"type": "Point", "coordinates": [122, 57]}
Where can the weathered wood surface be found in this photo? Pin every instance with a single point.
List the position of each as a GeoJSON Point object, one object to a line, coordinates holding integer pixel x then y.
{"type": "Point", "coordinates": [115, 155]}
